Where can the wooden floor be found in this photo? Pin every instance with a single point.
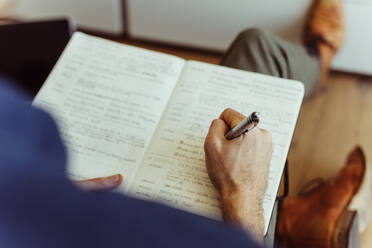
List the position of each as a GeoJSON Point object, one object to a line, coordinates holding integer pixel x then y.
{"type": "Point", "coordinates": [331, 123]}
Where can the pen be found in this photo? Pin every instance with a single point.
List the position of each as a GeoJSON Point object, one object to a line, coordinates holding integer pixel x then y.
{"type": "Point", "coordinates": [245, 126]}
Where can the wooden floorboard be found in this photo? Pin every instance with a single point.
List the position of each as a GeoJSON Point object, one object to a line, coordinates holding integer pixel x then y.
{"type": "Point", "coordinates": [331, 123]}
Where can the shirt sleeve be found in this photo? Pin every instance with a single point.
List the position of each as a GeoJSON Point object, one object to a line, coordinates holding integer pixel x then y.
{"type": "Point", "coordinates": [40, 207]}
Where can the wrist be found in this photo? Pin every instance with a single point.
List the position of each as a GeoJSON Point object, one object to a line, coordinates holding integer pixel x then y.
{"type": "Point", "coordinates": [240, 202]}
{"type": "Point", "coordinates": [244, 208]}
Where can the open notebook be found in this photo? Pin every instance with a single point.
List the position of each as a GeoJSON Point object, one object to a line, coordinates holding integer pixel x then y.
{"type": "Point", "coordinates": [143, 114]}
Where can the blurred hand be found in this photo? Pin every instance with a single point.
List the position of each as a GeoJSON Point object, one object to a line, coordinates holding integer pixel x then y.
{"type": "Point", "coordinates": [239, 170]}
{"type": "Point", "coordinates": [100, 184]}
{"type": "Point", "coordinates": [4, 6]}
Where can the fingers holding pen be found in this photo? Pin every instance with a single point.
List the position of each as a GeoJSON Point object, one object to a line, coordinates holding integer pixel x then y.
{"type": "Point", "coordinates": [232, 117]}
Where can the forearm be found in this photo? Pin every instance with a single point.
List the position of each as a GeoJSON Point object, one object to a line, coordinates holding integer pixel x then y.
{"type": "Point", "coordinates": [244, 209]}
{"type": "Point", "coordinates": [239, 170]}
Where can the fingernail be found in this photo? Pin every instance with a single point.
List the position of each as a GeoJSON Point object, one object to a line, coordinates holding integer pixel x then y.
{"type": "Point", "coordinates": [115, 178]}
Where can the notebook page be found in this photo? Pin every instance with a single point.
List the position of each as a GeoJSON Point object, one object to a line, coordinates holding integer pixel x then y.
{"type": "Point", "coordinates": [173, 170]}
{"type": "Point", "coordinates": [108, 99]}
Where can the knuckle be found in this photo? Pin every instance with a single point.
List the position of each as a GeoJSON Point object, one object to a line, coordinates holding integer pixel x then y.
{"type": "Point", "coordinates": [214, 122]}
{"type": "Point", "coordinates": [267, 135]}
{"type": "Point", "coordinates": [264, 136]}
{"type": "Point", "coordinates": [255, 132]}
{"type": "Point", "coordinates": [263, 131]}
{"type": "Point", "coordinates": [213, 126]}
{"type": "Point", "coordinates": [226, 111]}
{"type": "Point", "coordinates": [211, 144]}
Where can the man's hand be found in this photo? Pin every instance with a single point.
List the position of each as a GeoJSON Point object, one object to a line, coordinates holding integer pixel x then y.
{"type": "Point", "coordinates": [100, 184]}
{"type": "Point", "coordinates": [239, 170]}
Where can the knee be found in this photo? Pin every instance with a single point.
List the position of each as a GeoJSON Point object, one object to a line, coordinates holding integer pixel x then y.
{"type": "Point", "coordinates": [252, 37]}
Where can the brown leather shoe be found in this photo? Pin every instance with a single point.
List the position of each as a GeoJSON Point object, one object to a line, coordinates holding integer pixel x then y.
{"type": "Point", "coordinates": [316, 219]}
{"type": "Point", "coordinates": [325, 30]}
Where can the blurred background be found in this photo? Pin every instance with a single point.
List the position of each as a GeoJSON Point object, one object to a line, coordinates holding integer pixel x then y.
{"type": "Point", "coordinates": [331, 123]}
{"type": "Point", "coordinates": [208, 24]}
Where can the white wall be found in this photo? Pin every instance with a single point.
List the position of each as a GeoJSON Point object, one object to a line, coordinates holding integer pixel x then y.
{"type": "Point", "coordinates": [213, 24]}
{"type": "Point", "coordinates": [101, 15]}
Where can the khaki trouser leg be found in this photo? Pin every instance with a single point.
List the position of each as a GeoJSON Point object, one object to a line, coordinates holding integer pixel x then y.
{"type": "Point", "coordinates": [260, 51]}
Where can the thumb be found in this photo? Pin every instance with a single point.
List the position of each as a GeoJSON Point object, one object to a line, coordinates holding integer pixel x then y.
{"type": "Point", "coordinates": [232, 117]}
{"type": "Point", "coordinates": [100, 183]}
{"type": "Point", "coordinates": [216, 132]}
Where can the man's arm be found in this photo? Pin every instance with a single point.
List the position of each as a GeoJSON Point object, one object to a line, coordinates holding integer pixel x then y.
{"type": "Point", "coordinates": [239, 170]}
{"type": "Point", "coordinates": [40, 207]}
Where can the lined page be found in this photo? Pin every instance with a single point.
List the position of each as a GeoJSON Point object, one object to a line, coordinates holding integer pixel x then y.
{"type": "Point", "coordinates": [108, 99]}
{"type": "Point", "coordinates": [174, 171]}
